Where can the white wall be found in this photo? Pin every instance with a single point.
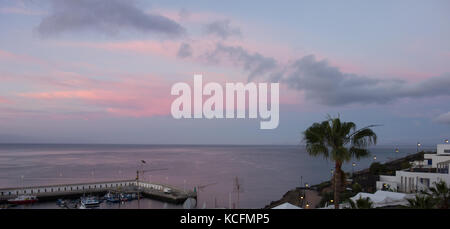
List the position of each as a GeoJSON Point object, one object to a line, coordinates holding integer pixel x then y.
{"type": "Point", "coordinates": [442, 147]}
{"type": "Point", "coordinates": [437, 158]}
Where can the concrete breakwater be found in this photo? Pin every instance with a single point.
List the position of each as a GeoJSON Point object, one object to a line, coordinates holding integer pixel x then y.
{"type": "Point", "coordinates": [160, 192]}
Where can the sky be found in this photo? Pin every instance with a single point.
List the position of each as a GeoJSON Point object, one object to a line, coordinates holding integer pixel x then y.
{"type": "Point", "coordinates": [100, 71]}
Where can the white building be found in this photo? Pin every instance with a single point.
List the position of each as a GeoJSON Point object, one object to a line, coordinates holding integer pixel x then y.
{"type": "Point", "coordinates": [422, 174]}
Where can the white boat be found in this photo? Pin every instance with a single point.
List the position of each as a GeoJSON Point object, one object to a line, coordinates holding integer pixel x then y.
{"type": "Point", "coordinates": [89, 202]}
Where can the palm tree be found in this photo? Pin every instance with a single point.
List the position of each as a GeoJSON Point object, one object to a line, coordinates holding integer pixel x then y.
{"type": "Point", "coordinates": [341, 142]}
{"type": "Point", "coordinates": [361, 203]}
{"type": "Point", "coordinates": [441, 193]}
{"type": "Point", "coordinates": [422, 202]}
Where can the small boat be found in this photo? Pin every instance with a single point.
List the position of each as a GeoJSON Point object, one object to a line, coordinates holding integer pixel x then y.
{"type": "Point", "coordinates": [61, 202]}
{"type": "Point", "coordinates": [23, 199]}
{"type": "Point", "coordinates": [89, 202]}
{"type": "Point", "coordinates": [112, 198]}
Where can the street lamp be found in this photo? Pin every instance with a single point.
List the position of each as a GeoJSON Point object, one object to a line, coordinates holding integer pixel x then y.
{"type": "Point", "coordinates": [306, 185]}
{"type": "Point", "coordinates": [418, 145]}
{"type": "Point", "coordinates": [446, 140]}
{"type": "Point", "coordinates": [353, 167]}
{"type": "Point", "coordinates": [21, 181]}
{"type": "Point", "coordinates": [301, 181]}
{"type": "Point", "coordinates": [396, 150]}
{"type": "Point", "coordinates": [374, 157]}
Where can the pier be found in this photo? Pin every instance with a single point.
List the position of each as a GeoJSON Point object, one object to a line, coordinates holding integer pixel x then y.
{"type": "Point", "coordinates": [146, 189]}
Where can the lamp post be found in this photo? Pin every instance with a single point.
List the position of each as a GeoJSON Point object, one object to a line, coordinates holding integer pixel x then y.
{"type": "Point", "coordinates": [21, 183]}
{"type": "Point", "coordinates": [446, 141]}
{"type": "Point", "coordinates": [301, 181]}
{"type": "Point", "coordinates": [418, 145]}
{"type": "Point", "coordinates": [375, 157]}
{"type": "Point", "coordinates": [353, 167]}
{"type": "Point", "coordinates": [301, 200]}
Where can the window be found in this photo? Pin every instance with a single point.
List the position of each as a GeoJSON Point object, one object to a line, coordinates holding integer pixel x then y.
{"type": "Point", "coordinates": [446, 150]}
{"type": "Point", "coordinates": [425, 182]}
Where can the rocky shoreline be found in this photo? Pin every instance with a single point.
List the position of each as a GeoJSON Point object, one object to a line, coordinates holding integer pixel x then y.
{"type": "Point", "coordinates": [366, 178]}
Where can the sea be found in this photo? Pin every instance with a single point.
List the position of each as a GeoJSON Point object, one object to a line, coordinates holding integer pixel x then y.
{"type": "Point", "coordinates": [225, 176]}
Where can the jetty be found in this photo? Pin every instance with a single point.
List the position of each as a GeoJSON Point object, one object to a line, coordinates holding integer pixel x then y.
{"type": "Point", "coordinates": [162, 192]}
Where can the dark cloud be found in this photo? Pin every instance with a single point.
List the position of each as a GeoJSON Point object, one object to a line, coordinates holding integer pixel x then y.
{"type": "Point", "coordinates": [254, 63]}
{"type": "Point", "coordinates": [326, 84]}
{"type": "Point", "coordinates": [222, 29]}
{"type": "Point", "coordinates": [185, 50]}
{"type": "Point", "coordinates": [107, 16]}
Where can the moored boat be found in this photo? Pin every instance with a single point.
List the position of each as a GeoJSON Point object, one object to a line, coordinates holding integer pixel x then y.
{"type": "Point", "coordinates": [89, 202]}
{"type": "Point", "coordinates": [23, 199]}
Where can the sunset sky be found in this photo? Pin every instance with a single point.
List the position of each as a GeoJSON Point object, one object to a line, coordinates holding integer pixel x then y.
{"type": "Point", "coordinates": [100, 71]}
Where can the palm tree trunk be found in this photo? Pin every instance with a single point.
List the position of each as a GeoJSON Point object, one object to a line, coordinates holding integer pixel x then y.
{"type": "Point", "coordinates": [337, 183]}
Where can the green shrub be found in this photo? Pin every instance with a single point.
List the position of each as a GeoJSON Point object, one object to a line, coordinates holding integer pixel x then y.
{"type": "Point", "coordinates": [356, 188]}
{"type": "Point", "coordinates": [377, 168]}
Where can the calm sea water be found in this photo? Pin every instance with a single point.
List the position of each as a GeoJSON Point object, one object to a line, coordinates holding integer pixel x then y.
{"type": "Point", "coordinates": [264, 172]}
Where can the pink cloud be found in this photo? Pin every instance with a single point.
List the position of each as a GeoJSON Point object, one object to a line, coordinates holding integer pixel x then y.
{"type": "Point", "coordinates": [5, 55]}
{"type": "Point", "coordinates": [137, 97]}
{"type": "Point", "coordinates": [163, 48]}
{"type": "Point", "coordinates": [4, 100]}
{"type": "Point", "coordinates": [188, 16]}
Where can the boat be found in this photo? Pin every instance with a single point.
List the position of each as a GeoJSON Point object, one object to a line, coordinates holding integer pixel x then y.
{"type": "Point", "coordinates": [89, 202]}
{"type": "Point", "coordinates": [61, 202]}
{"type": "Point", "coordinates": [23, 199]}
{"type": "Point", "coordinates": [119, 197]}
{"type": "Point", "coordinates": [112, 198]}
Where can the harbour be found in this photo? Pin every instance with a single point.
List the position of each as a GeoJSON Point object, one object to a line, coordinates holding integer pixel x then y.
{"type": "Point", "coordinates": [188, 168]}
{"type": "Point", "coordinates": [140, 189]}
